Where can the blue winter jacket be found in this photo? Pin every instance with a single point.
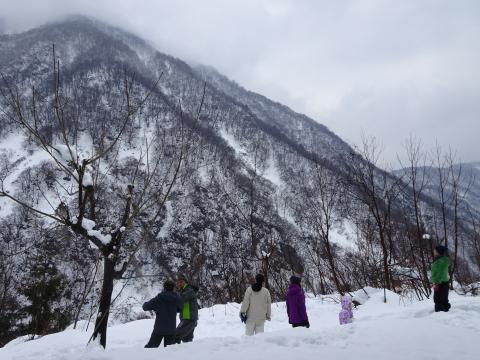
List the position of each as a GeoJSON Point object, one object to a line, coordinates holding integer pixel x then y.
{"type": "Point", "coordinates": [166, 306]}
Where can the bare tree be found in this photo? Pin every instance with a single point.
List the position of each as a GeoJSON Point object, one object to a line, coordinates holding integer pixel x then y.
{"type": "Point", "coordinates": [379, 191]}
{"type": "Point", "coordinates": [443, 180]}
{"type": "Point", "coordinates": [317, 209]}
{"type": "Point", "coordinates": [80, 209]}
{"type": "Point", "coordinates": [417, 178]}
{"type": "Point", "coordinates": [267, 254]}
{"type": "Point", "coordinates": [459, 186]}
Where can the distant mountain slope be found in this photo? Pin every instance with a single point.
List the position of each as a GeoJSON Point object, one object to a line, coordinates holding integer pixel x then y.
{"type": "Point", "coordinates": [469, 182]}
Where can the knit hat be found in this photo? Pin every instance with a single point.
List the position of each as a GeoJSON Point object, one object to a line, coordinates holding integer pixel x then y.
{"type": "Point", "coordinates": [441, 250]}
{"type": "Point", "coordinates": [295, 280]}
{"type": "Point", "coordinates": [182, 277]}
{"type": "Point", "coordinates": [169, 285]}
{"type": "Point", "coordinates": [346, 302]}
{"type": "Point", "coordinates": [259, 279]}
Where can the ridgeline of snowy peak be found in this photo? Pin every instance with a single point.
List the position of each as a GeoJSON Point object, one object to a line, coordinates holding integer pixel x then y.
{"type": "Point", "coordinates": [246, 157]}
{"type": "Point", "coordinates": [85, 45]}
{"type": "Point", "coordinates": [297, 127]}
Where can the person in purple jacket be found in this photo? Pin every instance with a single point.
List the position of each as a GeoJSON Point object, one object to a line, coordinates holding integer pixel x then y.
{"type": "Point", "coordinates": [346, 315]}
{"type": "Point", "coordinates": [297, 313]}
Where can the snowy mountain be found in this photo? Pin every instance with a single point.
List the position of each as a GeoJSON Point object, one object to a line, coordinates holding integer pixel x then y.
{"type": "Point", "coordinates": [260, 188]}
{"type": "Point", "coordinates": [244, 131]}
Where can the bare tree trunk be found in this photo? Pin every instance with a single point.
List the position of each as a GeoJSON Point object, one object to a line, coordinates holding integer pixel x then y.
{"type": "Point", "coordinates": [416, 159]}
{"type": "Point", "coordinates": [101, 323]}
{"type": "Point", "coordinates": [443, 201]}
{"type": "Point", "coordinates": [386, 269]}
{"type": "Point", "coordinates": [331, 262]}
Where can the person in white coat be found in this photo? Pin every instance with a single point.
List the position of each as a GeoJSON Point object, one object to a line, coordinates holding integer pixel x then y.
{"type": "Point", "coordinates": [256, 307]}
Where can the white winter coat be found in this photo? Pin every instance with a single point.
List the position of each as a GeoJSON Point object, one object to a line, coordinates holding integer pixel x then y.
{"type": "Point", "coordinates": [257, 305]}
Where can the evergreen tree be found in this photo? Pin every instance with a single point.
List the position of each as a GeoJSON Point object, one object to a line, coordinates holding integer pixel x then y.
{"type": "Point", "coordinates": [44, 291]}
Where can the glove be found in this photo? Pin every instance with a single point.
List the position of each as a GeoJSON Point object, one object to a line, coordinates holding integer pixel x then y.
{"type": "Point", "coordinates": [307, 325]}
{"type": "Point", "coordinates": [243, 317]}
{"type": "Point", "coordinates": [436, 287]}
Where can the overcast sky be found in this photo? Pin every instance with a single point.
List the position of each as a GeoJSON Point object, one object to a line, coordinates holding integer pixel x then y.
{"type": "Point", "coordinates": [380, 68]}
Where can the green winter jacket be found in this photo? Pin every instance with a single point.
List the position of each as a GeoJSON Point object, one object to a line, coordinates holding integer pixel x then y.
{"type": "Point", "coordinates": [190, 306]}
{"type": "Point", "coordinates": [440, 269]}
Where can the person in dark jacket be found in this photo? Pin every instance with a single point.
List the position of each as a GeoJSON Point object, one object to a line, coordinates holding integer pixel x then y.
{"type": "Point", "coordinates": [188, 312]}
{"type": "Point", "coordinates": [166, 306]}
{"type": "Point", "coordinates": [296, 310]}
{"type": "Point", "coordinates": [440, 278]}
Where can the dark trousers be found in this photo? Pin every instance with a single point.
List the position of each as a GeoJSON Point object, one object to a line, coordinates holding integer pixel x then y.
{"type": "Point", "coordinates": [156, 339]}
{"type": "Point", "coordinates": [304, 324]}
{"type": "Point", "coordinates": [440, 297]}
{"type": "Point", "coordinates": [185, 329]}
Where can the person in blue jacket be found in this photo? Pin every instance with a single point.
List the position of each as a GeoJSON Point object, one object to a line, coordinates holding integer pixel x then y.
{"type": "Point", "coordinates": [166, 306]}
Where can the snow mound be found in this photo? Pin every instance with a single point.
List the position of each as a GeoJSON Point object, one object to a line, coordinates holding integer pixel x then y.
{"type": "Point", "coordinates": [372, 297]}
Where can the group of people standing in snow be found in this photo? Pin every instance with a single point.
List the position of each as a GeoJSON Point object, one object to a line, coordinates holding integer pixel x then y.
{"type": "Point", "coordinates": [166, 306]}
{"type": "Point", "coordinates": [256, 306]}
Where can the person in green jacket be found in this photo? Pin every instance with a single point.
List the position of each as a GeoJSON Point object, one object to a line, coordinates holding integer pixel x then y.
{"type": "Point", "coordinates": [440, 278]}
{"type": "Point", "coordinates": [188, 312]}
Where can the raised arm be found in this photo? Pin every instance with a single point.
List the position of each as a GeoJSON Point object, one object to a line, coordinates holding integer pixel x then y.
{"type": "Point", "coordinates": [151, 304]}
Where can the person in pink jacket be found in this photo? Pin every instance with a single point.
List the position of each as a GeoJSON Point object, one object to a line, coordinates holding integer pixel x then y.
{"type": "Point", "coordinates": [346, 315]}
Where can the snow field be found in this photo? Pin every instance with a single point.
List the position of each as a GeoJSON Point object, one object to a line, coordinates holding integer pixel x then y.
{"type": "Point", "coordinates": [380, 331]}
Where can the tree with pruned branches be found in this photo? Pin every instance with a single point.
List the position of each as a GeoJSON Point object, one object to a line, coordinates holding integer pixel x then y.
{"type": "Point", "coordinates": [96, 180]}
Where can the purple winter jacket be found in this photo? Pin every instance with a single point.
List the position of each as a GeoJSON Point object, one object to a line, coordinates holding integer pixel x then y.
{"type": "Point", "coordinates": [297, 313]}
{"type": "Point", "coordinates": [346, 314]}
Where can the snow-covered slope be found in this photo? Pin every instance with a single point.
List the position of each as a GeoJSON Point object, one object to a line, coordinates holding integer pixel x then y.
{"type": "Point", "coordinates": [395, 330]}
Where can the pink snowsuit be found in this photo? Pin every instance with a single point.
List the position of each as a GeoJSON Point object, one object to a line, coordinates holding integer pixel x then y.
{"type": "Point", "coordinates": [346, 315]}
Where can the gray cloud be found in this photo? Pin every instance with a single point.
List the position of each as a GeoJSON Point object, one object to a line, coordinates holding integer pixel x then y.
{"type": "Point", "coordinates": [382, 68]}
